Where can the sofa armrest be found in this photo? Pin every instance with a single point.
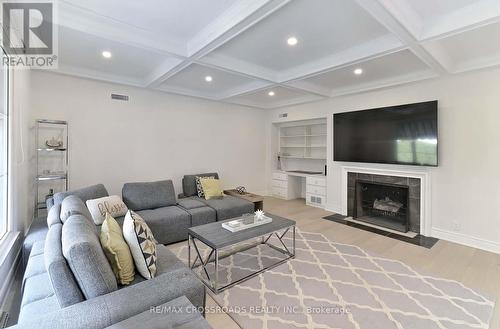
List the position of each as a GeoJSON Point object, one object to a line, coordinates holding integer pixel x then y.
{"type": "Point", "coordinates": [105, 310]}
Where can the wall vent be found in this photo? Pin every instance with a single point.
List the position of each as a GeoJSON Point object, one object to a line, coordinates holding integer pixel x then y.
{"type": "Point", "coordinates": [283, 115]}
{"type": "Point", "coordinates": [119, 97]}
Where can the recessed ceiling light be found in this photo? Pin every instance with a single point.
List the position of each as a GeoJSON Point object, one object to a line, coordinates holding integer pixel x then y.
{"type": "Point", "coordinates": [106, 54]}
{"type": "Point", "coordinates": [292, 41]}
{"type": "Point", "coordinates": [208, 78]}
{"type": "Point", "coordinates": [358, 71]}
{"type": "Point", "coordinates": [271, 93]}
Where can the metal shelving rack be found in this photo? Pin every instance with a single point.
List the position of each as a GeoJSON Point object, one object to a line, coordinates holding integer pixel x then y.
{"type": "Point", "coordinates": [47, 176]}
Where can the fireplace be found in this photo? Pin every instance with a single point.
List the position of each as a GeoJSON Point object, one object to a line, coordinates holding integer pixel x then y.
{"type": "Point", "coordinates": [382, 204]}
{"type": "Point", "coordinates": [410, 186]}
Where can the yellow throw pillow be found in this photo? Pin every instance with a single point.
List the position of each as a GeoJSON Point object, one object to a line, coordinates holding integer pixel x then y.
{"type": "Point", "coordinates": [211, 188]}
{"type": "Point", "coordinates": [117, 251]}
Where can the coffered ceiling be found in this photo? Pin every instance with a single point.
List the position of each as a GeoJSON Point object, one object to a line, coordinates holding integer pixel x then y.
{"type": "Point", "coordinates": [274, 53]}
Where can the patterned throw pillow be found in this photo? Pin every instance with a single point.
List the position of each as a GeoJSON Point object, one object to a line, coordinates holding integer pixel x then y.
{"type": "Point", "coordinates": [142, 244]}
{"type": "Point", "coordinates": [199, 188]}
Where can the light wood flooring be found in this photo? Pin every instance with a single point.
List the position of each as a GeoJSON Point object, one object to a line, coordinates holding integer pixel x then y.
{"type": "Point", "coordinates": [475, 268]}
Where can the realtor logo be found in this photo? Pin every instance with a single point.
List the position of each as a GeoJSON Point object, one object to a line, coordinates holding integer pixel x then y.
{"type": "Point", "coordinates": [28, 34]}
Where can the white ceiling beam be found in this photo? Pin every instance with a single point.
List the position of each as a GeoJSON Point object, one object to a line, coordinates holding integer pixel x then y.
{"type": "Point", "coordinates": [238, 12]}
{"type": "Point", "coordinates": [248, 15]}
{"type": "Point", "coordinates": [384, 16]}
{"type": "Point", "coordinates": [238, 66]}
{"type": "Point", "coordinates": [482, 13]}
{"type": "Point", "coordinates": [246, 19]}
{"type": "Point", "coordinates": [83, 20]}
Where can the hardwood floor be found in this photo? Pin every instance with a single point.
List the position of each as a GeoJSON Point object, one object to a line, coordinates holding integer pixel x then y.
{"type": "Point", "coordinates": [475, 268]}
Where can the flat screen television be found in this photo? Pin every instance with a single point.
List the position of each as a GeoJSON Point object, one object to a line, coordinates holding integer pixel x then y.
{"type": "Point", "coordinates": [403, 134]}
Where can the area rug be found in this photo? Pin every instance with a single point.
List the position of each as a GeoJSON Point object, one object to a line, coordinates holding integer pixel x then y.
{"type": "Point", "coordinates": [335, 285]}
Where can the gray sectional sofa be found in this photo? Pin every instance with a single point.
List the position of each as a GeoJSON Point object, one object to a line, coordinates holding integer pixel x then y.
{"type": "Point", "coordinates": [168, 219]}
{"type": "Point", "coordinates": [68, 282]}
{"type": "Point", "coordinates": [225, 207]}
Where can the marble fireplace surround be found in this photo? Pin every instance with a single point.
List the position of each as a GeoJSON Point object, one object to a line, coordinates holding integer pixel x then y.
{"type": "Point", "coordinates": [425, 191]}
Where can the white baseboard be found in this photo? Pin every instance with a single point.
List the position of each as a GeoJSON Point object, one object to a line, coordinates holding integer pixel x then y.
{"type": "Point", "coordinates": [466, 240]}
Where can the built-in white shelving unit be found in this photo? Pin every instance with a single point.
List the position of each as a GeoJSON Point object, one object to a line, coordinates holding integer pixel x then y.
{"type": "Point", "coordinates": [302, 149]}
{"type": "Point", "coordinates": [303, 140]}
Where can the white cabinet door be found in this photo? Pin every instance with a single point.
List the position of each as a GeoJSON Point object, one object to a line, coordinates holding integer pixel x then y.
{"type": "Point", "coordinates": [317, 181]}
{"type": "Point", "coordinates": [317, 190]}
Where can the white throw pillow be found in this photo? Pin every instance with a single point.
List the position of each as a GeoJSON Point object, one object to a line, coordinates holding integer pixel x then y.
{"type": "Point", "coordinates": [142, 244]}
{"type": "Point", "coordinates": [110, 204]}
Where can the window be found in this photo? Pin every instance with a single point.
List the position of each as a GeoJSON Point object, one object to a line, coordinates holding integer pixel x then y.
{"type": "Point", "coordinates": [4, 142]}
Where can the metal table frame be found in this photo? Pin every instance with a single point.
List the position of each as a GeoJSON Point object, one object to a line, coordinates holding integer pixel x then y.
{"type": "Point", "coordinates": [213, 283]}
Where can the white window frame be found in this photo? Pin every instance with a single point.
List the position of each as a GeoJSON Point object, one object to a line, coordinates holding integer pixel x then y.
{"type": "Point", "coordinates": [7, 225]}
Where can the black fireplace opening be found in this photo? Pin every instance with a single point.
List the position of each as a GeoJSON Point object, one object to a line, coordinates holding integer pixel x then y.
{"type": "Point", "coordinates": [382, 204]}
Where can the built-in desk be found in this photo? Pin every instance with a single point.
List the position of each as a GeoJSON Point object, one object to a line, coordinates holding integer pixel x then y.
{"type": "Point", "coordinates": [290, 185]}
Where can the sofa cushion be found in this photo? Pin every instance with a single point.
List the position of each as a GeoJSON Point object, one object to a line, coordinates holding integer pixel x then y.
{"type": "Point", "coordinates": [190, 203]}
{"type": "Point", "coordinates": [63, 282]}
{"type": "Point", "coordinates": [54, 215]}
{"type": "Point", "coordinates": [86, 193]}
{"type": "Point", "coordinates": [35, 266]}
{"type": "Point", "coordinates": [228, 206]}
{"type": "Point", "coordinates": [189, 183]}
{"type": "Point", "coordinates": [117, 250]}
{"type": "Point", "coordinates": [37, 232]}
{"type": "Point", "coordinates": [73, 205]}
{"type": "Point", "coordinates": [148, 195]}
{"type": "Point", "coordinates": [38, 248]}
{"type": "Point", "coordinates": [142, 244]}
{"type": "Point", "coordinates": [201, 216]}
{"type": "Point", "coordinates": [180, 314]}
{"type": "Point", "coordinates": [33, 310]}
{"type": "Point", "coordinates": [83, 252]}
{"type": "Point", "coordinates": [169, 224]}
{"type": "Point", "coordinates": [37, 287]}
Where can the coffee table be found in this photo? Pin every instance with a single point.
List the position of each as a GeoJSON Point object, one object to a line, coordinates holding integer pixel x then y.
{"type": "Point", "coordinates": [216, 238]}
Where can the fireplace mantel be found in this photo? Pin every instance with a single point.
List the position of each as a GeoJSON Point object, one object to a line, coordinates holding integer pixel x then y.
{"type": "Point", "coordinates": [425, 191]}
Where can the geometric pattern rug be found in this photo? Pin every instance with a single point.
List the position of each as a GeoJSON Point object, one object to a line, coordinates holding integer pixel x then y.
{"type": "Point", "coordinates": [335, 285]}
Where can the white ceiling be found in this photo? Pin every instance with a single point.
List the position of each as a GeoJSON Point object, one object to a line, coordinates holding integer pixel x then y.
{"type": "Point", "coordinates": [172, 45]}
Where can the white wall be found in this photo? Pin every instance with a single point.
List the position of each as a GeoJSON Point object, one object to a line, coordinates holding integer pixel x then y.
{"type": "Point", "coordinates": [153, 136]}
{"type": "Point", "coordinates": [466, 185]}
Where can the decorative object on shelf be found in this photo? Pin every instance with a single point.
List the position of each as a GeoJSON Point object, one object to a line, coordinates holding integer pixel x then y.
{"type": "Point", "coordinates": [279, 160]}
{"type": "Point", "coordinates": [259, 214]}
{"type": "Point", "coordinates": [241, 189]}
{"type": "Point", "coordinates": [54, 143]}
{"type": "Point", "coordinates": [50, 194]}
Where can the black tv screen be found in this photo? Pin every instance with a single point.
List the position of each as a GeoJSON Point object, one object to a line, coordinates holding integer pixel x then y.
{"type": "Point", "coordinates": [404, 134]}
